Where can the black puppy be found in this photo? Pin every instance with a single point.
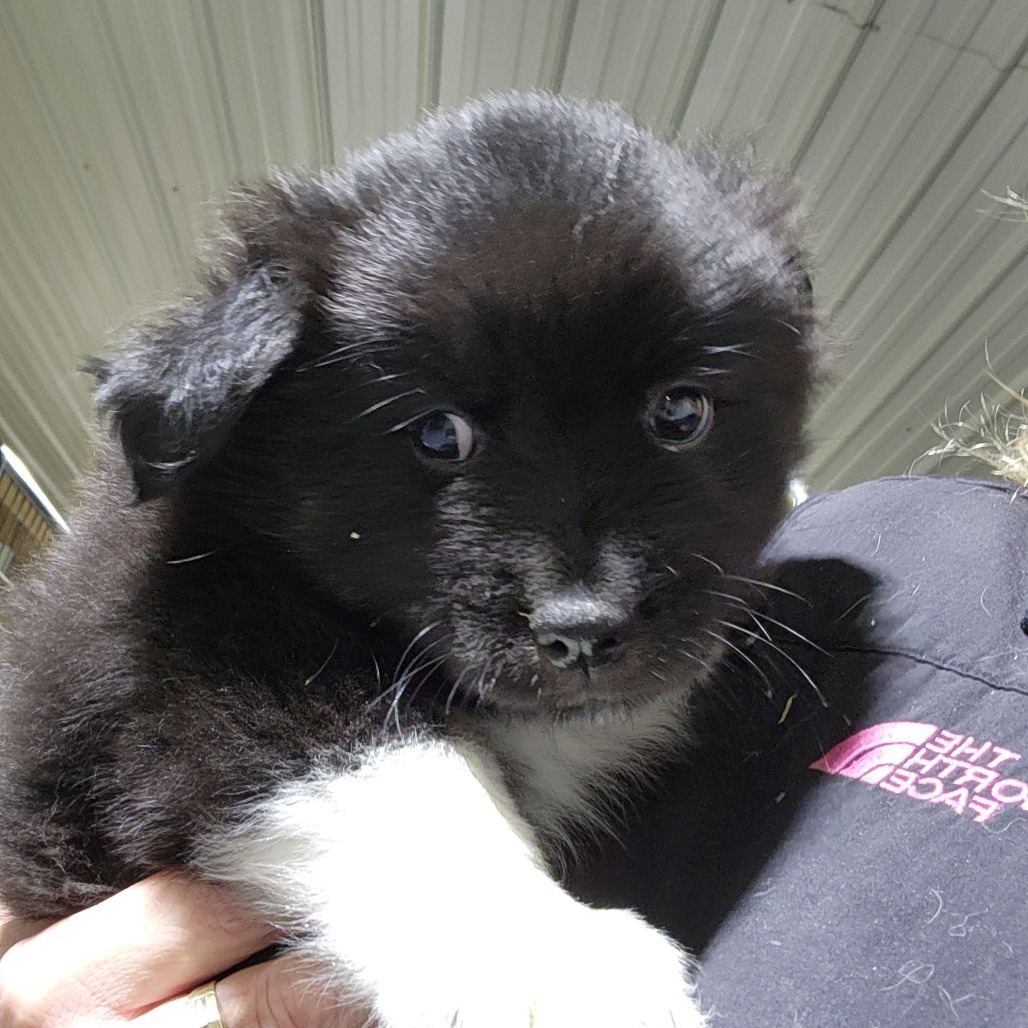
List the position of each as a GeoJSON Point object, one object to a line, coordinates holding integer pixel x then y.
{"type": "Point", "coordinates": [448, 484]}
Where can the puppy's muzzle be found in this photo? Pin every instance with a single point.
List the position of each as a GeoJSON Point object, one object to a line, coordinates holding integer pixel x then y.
{"type": "Point", "coordinates": [578, 630]}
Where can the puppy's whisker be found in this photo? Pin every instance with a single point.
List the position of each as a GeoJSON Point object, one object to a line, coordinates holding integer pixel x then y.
{"type": "Point", "coordinates": [372, 703]}
{"type": "Point", "coordinates": [325, 663]}
{"type": "Point", "coordinates": [456, 686]}
{"type": "Point", "coordinates": [403, 675]}
{"type": "Point", "coordinates": [385, 403]}
{"type": "Point", "coordinates": [427, 666]}
{"type": "Point", "coordinates": [400, 426]}
{"type": "Point", "coordinates": [403, 686]}
{"type": "Point", "coordinates": [405, 668]}
{"type": "Point", "coordinates": [439, 640]}
{"type": "Point", "coordinates": [333, 356]}
{"type": "Point", "coordinates": [768, 585]}
{"type": "Point", "coordinates": [742, 653]}
{"type": "Point", "coordinates": [713, 563]}
{"type": "Point", "coordinates": [480, 688]}
{"type": "Point", "coordinates": [795, 663]}
{"type": "Point", "coordinates": [361, 385]}
{"type": "Point", "coordinates": [391, 377]}
{"type": "Point", "coordinates": [785, 324]}
{"type": "Point", "coordinates": [400, 688]}
{"type": "Point", "coordinates": [393, 710]}
{"type": "Point", "coordinates": [760, 625]}
{"type": "Point", "coordinates": [189, 560]}
{"type": "Point", "coordinates": [757, 583]}
{"type": "Point", "coordinates": [692, 656]}
{"type": "Point", "coordinates": [467, 696]}
{"type": "Point", "coordinates": [758, 618]}
{"type": "Point", "coordinates": [431, 626]}
{"type": "Point", "coordinates": [736, 601]}
{"type": "Point", "coordinates": [420, 679]}
{"type": "Point", "coordinates": [712, 350]}
{"type": "Point", "coordinates": [479, 691]}
{"type": "Point", "coordinates": [353, 352]}
{"type": "Point", "coordinates": [451, 694]}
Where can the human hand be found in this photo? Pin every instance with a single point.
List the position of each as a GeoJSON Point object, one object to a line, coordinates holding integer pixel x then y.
{"type": "Point", "coordinates": [132, 958]}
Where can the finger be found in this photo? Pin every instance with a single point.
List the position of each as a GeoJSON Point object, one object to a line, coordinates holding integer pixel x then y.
{"type": "Point", "coordinates": [275, 994]}
{"type": "Point", "coordinates": [280, 994]}
{"type": "Point", "coordinates": [14, 929]}
{"type": "Point", "coordinates": [151, 941]}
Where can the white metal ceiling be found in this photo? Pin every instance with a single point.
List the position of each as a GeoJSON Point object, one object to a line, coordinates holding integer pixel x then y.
{"type": "Point", "coordinates": [121, 119]}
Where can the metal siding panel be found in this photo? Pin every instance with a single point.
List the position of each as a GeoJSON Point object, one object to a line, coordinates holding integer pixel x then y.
{"type": "Point", "coordinates": [122, 118]}
{"type": "Point", "coordinates": [895, 437]}
{"type": "Point", "coordinates": [645, 56]}
{"type": "Point", "coordinates": [926, 102]}
{"type": "Point", "coordinates": [767, 68]}
{"type": "Point", "coordinates": [949, 253]}
{"type": "Point", "coordinates": [263, 62]}
{"type": "Point", "coordinates": [379, 66]}
{"type": "Point", "coordinates": [497, 45]}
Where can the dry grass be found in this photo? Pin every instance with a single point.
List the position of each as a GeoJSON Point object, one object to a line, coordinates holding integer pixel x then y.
{"type": "Point", "coordinates": [997, 435]}
{"type": "Point", "coordinates": [1016, 203]}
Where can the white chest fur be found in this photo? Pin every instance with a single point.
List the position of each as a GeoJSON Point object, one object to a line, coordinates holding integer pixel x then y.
{"type": "Point", "coordinates": [575, 773]}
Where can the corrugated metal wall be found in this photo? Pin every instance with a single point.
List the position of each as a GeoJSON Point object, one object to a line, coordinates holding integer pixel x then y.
{"type": "Point", "coordinates": [121, 119]}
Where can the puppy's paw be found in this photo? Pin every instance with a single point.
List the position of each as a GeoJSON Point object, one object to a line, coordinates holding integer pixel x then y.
{"type": "Point", "coordinates": [446, 918]}
{"type": "Point", "coordinates": [586, 969]}
{"type": "Point", "coordinates": [613, 970]}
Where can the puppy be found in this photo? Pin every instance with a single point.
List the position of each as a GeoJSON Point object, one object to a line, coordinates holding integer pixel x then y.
{"type": "Point", "coordinates": [445, 486]}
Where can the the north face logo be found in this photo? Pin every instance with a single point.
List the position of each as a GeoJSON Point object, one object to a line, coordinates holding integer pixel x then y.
{"type": "Point", "coordinates": [930, 764]}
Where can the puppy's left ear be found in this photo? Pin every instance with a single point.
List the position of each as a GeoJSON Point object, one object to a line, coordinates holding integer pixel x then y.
{"type": "Point", "coordinates": [180, 386]}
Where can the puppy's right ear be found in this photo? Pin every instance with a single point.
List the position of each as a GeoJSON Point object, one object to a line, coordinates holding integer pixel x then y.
{"type": "Point", "coordinates": [176, 391]}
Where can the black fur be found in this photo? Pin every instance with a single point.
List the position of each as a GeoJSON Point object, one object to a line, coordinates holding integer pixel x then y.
{"type": "Point", "coordinates": [536, 265]}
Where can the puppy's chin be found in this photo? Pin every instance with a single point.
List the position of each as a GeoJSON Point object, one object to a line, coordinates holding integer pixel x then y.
{"type": "Point", "coordinates": [616, 688]}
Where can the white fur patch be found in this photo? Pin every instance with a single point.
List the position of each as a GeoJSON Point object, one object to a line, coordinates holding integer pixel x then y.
{"type": "Point", "coordinates": [574, 771]}
{"type": "Point", "coordinates": [412, 883]}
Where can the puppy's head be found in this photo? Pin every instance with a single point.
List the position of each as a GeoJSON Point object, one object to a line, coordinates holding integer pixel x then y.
{"type": "Point", "coordinates": [524, 384]}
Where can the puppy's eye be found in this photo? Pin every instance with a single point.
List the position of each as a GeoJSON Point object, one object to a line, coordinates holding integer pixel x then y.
{"type": "Point", "coordinates": [443, 436]}
{"type": "Point", "coordinates": [678, 416]}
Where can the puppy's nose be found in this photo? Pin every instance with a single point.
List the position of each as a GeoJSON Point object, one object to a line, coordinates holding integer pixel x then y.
{"type": "Point", "coordinates": [577, 629]}
{"type": "Point", "coordinates": [566, 651]}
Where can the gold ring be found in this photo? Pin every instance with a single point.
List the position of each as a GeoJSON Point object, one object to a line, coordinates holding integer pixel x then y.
{"type": "Point", "coordinates": [202, 1003]}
